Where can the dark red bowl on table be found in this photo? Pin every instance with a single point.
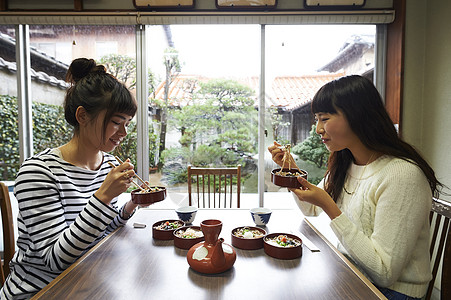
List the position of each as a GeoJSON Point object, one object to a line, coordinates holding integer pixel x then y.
{"type": "Point", "coordinates": [277, 251]}
{"type": "Point", "coordinates": [248, 242]}
{"type": "Point", "coordinates": [184, 242]}
{"type": "Point", "coordinates": [149, 197]}
{"type": "Point", "coordinates": [288, 178]}
{"type": "Point", "coordinates": [166, 232]}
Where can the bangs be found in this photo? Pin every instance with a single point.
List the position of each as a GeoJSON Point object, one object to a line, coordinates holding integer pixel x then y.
{"type": "Point", "coordinates": [123, 102]}
{"type": "Point", "coordinates": [323, 101]}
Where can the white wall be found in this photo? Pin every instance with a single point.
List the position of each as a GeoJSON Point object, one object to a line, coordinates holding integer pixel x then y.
{"type": "Point", "coordinates": [427, 85]}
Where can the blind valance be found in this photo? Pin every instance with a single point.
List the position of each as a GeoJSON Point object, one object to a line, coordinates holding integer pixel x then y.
{"type": "Point", "coordinates": [158, 18]}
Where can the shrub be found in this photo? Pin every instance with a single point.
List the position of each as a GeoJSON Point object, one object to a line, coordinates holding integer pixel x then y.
{"type": "Point", "coordinates": [50, 129]}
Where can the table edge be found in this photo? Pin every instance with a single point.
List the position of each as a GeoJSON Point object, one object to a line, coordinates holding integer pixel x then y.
{"type": "Point", "coordinates": [356, 271]}
{"type": "Point", "coordinates": [73, 266]}
{"type": "Point", "coordinates": [353, 268]}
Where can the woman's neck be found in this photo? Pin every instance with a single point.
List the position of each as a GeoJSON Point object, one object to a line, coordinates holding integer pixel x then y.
{"type": "Point", "coordinates": [364, 156]}
{"type": "Point", "coordinates": [80, 155]}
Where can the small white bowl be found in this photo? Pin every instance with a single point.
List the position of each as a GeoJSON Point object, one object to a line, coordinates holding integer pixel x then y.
{"type": "Point", "coordinates": [187, 213]}
{"type": "Point", "coordinates": [260, 215]}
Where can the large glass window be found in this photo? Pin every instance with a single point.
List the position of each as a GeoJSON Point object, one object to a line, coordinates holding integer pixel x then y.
{"type": "Point", "coordinates": [203, 101]}
{"type": "Point", "coordinates": [9, 137]}
{"type": "Point", "coordinates": [53, 49]}
{"type": "Point", "coordinates": [204, 91]}
{"type": "Point", "coordinates": [299, 60]}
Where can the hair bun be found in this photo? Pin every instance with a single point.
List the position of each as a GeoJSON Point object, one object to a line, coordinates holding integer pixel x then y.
{"type": "Point", "coordinates": [81, 67]}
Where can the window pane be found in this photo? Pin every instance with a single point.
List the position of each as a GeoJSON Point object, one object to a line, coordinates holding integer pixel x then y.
{"type": "Point", "coordinates": [203, 102]}
{"type": "Point", "coordinates": [53, 49]}
{"type": "Point", "coordinates": [299, 60]}
{"type": "Point", "coordinates": [9, 139]}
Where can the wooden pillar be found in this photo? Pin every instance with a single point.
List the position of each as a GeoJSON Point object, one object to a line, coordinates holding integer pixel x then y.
{"type": "Point", "coordinates": [3, 5]}
{"type": "Point", "coordinates": [78, 5]}
{"type": "Point", "coordinates": [395, 63]}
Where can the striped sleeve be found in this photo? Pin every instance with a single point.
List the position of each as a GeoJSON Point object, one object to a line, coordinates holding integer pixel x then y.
{"type": "Point", "coordinates": [55, 240]}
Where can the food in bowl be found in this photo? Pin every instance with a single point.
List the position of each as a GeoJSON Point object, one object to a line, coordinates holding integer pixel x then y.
{"type": "Point", "coordinates": [186, 237]}
{"type": "Point", "coordinates": [189, 233]}
{"type": "Point", "coordinates": [282, 245]}
{"type": "Point", "coordinates": [283, 241]}
{"type": "Point", "coordinates": [169, 225]}
{"type": "Point", "coordinates": [287, 177]}
{"type": "Point", "coordinates": [248, 233]}
{"type": "Point", "coordinates": [248, 237]}
{"type": "Point", "coordinates": [290, 173]}
{"type": "Point", "coordinates": [164, 230]}
{"type": "Point", "coordinates": [149, 195]}
{"type": "Point", "coordinates": [150, 189]}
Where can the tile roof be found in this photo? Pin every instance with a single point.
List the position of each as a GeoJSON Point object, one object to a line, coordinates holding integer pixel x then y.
{"type": "Point", "coordinates": [37, 76]}
{"type": "Point", "coordinates": [291, 92]}
{"type": "Point", "coordinates": [354, 47]}
{"type": "Point", "coordinates": [286, 92]}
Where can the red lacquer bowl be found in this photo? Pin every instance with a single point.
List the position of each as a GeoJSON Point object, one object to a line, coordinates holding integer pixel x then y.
{"type": "Point", "coordinates": [288, 177]}
{"type": "Point", "coordinates": [147, 198]}
{"type": "Point", "coordinates": [280, 252]}
{"type": "Point", "coordinates": [184, 242]}
{"type": "Point", "coordinates": [248, 243]}
{"type": "Point", "coordinates": [163, 233]}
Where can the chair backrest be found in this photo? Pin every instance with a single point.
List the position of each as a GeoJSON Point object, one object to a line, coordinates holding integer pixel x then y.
{"type": "Point", "coordinates": [214, 186]}
{"type": "Point", "coordinates": [8, 228]}
{"type": "Point", "coordinates": [440, 246]}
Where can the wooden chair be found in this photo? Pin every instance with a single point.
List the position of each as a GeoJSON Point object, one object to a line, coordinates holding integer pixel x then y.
{"type": "Point", "coordinates": [440, 248]}
{"type": "Point", "coordinates": [8, 231]}
{"type": "Point", "coordinates": [214, 186]}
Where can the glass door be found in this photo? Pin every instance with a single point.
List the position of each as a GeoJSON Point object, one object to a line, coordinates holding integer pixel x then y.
{"type": "Point", "coordinates": [203, 103]}
{"type": "Point", "coordinates": [299, 60]}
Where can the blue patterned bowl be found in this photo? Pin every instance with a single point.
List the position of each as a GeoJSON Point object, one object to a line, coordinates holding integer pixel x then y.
{"type": "Point", "coordinates": [260, 215]}
{"type": "Point", "coordinates": [186, 213]}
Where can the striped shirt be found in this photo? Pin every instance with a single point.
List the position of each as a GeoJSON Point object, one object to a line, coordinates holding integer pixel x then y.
{"type": "Point", "coordinates": [59, 220]}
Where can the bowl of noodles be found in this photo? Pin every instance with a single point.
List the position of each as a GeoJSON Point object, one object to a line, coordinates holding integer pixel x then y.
{"type": "Point", "coordinates": [248, 237]}
{"type": "Point", "coordinates": [188, 236]}
{"type": "Point", "coordinates": [149, 196]}
{"type": "Point", "coordinates": [164, 230]}
{"type": "Point", "coordinates": [282, 245]}
{"type": "Point", "coordinates": [287, 177]}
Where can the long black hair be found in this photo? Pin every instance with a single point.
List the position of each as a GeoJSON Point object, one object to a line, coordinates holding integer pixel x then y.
{"type": "Point", "coordinates": [360, 102]}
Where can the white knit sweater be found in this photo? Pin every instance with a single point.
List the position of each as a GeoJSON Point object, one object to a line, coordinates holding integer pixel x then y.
{"type": "Point", "coordinates": [384, 225]}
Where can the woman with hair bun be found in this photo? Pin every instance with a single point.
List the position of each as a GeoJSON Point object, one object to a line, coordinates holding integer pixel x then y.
{"type": "Point", "coordinates": [68, 195]}
{"type": "Point", "coordinates": [377, 190]}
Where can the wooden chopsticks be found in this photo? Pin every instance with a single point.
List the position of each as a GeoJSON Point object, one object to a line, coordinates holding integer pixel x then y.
{"type": "Point", "coordinates": [137, 176]}
{"type": "Point", "coordinates": [113, 166]}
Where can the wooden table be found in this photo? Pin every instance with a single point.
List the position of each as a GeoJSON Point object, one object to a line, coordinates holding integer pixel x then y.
{"type": "Point", "coordinates": [130, 264]}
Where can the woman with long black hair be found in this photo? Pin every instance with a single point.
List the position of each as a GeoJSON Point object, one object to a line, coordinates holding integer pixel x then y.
{"type": "Point", "coordinates": [377, 189]}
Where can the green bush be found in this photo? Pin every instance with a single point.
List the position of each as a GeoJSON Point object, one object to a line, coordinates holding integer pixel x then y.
{"type": "Point", "coordinates": [312, 149]}
{"type": "Point", "coordinates": [50, 129]}
{"type": "Point", "coordinates": [313, 156]}
{"type": "Point", "coordinates": [9, 137]}
{"type": "Point", "coordinates": [177, 159]}
{"type": "Point", "coordinates": [128, 147]}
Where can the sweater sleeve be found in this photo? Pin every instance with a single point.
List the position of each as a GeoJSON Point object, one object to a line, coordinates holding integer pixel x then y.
{"type": "Point", "coordinates": [306, 208]}
{"type": "Point", "coordinates": [57, 242]}
{"type": "Point", "coordinates": [402, 201]}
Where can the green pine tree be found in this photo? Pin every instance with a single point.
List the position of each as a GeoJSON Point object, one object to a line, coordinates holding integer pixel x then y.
{"type": "Point", "coordinates": [312, 149]}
